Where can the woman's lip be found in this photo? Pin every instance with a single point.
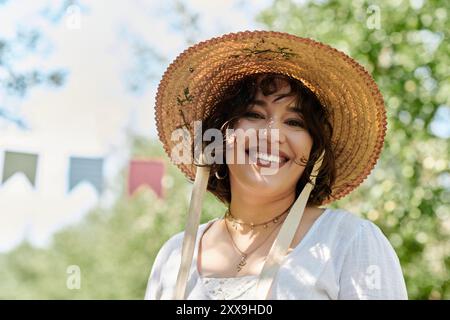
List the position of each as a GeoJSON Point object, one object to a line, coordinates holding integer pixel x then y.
{"type": "Point", "coordinates": [260, 164]}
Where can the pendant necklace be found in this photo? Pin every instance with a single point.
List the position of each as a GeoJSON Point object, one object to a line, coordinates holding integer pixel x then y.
{"type": "Point", "coordinates": [244, 255]}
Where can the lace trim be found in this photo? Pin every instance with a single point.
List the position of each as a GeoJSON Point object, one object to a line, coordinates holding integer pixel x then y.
{"type": "Point", "coordinates": [231, 288]}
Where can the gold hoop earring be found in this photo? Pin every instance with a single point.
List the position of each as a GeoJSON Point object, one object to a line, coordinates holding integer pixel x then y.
{"type": "Point", "coordinates": [219, 177]}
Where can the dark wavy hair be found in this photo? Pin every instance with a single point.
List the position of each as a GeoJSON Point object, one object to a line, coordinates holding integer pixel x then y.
{"type": "Point", "coordinates": [236, 101]}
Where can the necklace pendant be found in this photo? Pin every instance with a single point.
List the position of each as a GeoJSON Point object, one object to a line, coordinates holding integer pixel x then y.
{"type": "Point", "coordinates": [242, 263]}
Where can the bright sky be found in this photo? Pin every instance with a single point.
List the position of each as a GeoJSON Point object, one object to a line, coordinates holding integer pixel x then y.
{"type": "Point", "coordinates": [89, 115]}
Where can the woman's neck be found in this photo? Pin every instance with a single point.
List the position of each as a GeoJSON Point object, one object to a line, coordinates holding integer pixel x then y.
{"type": "Point", "coordinates": [256, 209]}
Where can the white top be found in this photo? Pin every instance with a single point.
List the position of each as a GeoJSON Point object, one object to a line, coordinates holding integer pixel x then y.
{"type": "Point", "coordinates": [238, 288]}
{"type": "Point", "coordinates": [342, 256]}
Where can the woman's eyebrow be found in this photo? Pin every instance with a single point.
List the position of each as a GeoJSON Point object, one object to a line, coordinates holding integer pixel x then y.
{"type": "Point", "coordinates": [281, 96]}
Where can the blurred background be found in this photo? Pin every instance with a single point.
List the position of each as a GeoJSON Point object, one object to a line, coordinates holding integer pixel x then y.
{"type": "Point", "coordinates": [87, 195]}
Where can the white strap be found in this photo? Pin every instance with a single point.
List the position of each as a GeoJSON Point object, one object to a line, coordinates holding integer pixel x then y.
{"type": "Point", "coordinates": [284, 239]}
{"type": "Point", "coordinates": [190, 235]}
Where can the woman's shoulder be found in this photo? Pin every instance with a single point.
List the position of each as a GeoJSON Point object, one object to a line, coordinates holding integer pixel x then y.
{"type": "Point", "coordinates": [366, 262]}
{"type": "Point", "coordinates": [347, 225]}
{"type": "Point", "coordinates": [346, 219]}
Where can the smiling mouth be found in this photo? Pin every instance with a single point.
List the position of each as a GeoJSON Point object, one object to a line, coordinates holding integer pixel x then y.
{"type": "Point", "coordinates": [267, 160]}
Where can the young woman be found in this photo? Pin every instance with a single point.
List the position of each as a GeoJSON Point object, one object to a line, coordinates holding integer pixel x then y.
{"type": "Point", "coordinates": [274, 241]}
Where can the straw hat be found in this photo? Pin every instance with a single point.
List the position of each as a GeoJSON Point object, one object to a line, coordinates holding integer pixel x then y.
{"type": "Point", "coordinates": [198, 77]}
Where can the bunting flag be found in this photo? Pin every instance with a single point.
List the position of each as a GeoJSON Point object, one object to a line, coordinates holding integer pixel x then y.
{"type": "Point", "coordinates": [146, 173]}
{"type": "Point", "coordinates": [86, 169]}
{"type": "Point", "coordinates": [20, 162]}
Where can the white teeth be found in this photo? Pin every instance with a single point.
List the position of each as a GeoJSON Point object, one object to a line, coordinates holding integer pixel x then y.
{"type": "Point", "coordinates": [268, 157]}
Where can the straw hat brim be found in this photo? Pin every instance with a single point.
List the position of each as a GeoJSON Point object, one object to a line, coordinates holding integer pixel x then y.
{"type": "Point", "coordinates": [198, 77]}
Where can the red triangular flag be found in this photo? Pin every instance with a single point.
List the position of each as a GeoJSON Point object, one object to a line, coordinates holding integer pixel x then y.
{"type": "Point", "coordinates": [145, 172]}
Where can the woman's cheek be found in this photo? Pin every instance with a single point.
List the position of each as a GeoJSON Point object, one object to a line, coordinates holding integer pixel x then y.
{"type": "Point", "coordinates": [302, 141]}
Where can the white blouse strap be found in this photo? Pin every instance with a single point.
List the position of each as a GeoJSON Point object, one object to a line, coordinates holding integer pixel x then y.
{"type": "Point", "coordinates": [284, 239]}
{"type": "Point", "coordinates": [190, 235]}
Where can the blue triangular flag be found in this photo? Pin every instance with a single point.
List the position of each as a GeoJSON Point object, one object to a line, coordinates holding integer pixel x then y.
{"type": "Point", "coordinates": [87, 169]}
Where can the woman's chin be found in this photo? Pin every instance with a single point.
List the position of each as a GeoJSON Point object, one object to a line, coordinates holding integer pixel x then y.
{"type": "Point", "coordinates": [268, 181]}
{"type": "Point", "coordinates": [269, 190]}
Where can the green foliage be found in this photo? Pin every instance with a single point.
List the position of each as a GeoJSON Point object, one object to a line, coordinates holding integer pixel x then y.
{"type": "Point", "coordinates": [408, 193]}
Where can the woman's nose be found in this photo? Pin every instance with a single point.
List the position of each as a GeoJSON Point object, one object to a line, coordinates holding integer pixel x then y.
{"type": "Point", "coordinates": [274, 132]}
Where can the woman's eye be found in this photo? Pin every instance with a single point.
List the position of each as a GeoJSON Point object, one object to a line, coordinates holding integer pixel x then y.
{"type": "Point", "coordinates": [296, 123]}
{"type": "Point", "coordinates": [291, 122]}
{"type": "Point", "coordinates": [253, 115]}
